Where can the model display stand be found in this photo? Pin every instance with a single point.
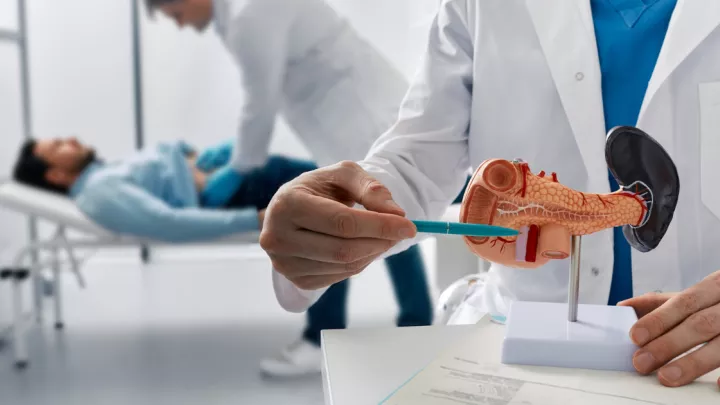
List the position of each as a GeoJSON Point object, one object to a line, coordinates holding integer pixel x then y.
{"type": "Point", "coordinates": [570, 335]}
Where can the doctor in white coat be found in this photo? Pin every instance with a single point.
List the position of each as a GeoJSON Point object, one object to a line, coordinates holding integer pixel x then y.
{"type": "Point", "coordinates": [534, 80]}
{"type": "Point", "coordinates": [301, 59]}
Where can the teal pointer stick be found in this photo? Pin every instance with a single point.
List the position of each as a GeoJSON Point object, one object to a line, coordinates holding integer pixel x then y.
{"type": "Point", "coordinates": [458, 228]}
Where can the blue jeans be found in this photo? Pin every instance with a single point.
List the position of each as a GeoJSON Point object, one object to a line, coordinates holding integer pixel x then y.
{"type": "Point", "coordinates": [260, 185]}
{"type": "Point", "coordinates": [409, 280]}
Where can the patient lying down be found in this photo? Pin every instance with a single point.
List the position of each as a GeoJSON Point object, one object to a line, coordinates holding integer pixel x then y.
{"type": "Point", "coordinates": [153, 193]}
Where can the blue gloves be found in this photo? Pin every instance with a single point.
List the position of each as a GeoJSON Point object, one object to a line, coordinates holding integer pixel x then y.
{"type": "Point", "coordinates": [215, 156]}
{"type": "Point", "coordinates": [220, 187]}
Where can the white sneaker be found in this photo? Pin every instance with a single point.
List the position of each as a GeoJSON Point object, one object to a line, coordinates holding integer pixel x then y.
{"type": "Point", "coordinates": [298, 359]}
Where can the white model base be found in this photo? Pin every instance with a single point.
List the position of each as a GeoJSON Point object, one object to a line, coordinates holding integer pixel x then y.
{"type": "Point", "coordinates": [539, 334]}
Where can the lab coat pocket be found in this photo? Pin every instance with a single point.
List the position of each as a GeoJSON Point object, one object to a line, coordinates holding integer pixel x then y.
{"type": "Point", "coordinates": [709, 94]}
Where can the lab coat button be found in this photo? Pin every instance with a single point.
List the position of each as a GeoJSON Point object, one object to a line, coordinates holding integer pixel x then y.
{"type": "Point", "coordinates": [595, 271]}
{"type": "Point", "coordinates": [579, 76]}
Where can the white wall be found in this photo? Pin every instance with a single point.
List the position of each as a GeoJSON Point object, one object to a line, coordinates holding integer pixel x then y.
{"type": "Point", "coordinates": [8, 14]}
{"type": "Point", "coordinates": [81, 72]}
{"type": "Point", "coordinates": [14, 227]}
{"type": "Point", "coordinates": [398, 28]}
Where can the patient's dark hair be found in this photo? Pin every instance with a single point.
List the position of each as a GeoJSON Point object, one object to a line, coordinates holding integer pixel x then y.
{"type": "Point", "coordinates": [31, 170]}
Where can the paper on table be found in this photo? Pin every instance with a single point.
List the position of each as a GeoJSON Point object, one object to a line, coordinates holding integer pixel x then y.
{"type": "Point", "coordinates": [471, 374]}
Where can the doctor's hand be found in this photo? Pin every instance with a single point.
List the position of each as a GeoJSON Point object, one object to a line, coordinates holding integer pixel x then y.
{"type": "Point", "coordinates": [220, 187]}
{"type": "Point", "coordinates": [215, 156]}
{"type": "Point", "coordinates": [672, 324]}
{"type": "Point", "coordinates": [315, 238]}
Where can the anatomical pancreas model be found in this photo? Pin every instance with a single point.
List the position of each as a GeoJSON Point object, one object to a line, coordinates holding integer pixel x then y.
{"type": "Point", "coordinates": [506, 193]}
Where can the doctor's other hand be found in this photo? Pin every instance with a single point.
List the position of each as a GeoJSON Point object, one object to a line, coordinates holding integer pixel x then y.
{"type": "Point", "coordinates": [214, 157]}
{"type": "Point", "coordinates": [315, 238]}
{"type": "Point", "coordinates": [220, 187]}
{"type": "Point", "coordinates": [672, 324]}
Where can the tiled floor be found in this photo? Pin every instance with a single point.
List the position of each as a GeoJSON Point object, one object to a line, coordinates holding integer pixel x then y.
{"type": "Point", "coordinates": [180, 331]}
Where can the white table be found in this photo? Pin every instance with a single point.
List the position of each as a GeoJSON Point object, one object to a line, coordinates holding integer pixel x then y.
{"type": "Point", "coordinates": [363, 366]}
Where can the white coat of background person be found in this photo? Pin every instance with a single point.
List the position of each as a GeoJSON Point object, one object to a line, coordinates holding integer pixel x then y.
{"type": "Point", "coordinates": [522, 79]}
{"type": "Point", "coordinates": [301, 59]}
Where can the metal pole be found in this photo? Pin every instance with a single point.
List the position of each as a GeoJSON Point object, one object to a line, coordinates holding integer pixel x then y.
{"type": "Point", "coordinates": [137, 86]}
{"type": "Point", "coordinates": [25, 87]}
{"type": "Point", "coordinates": [19, 344]}
{"type": "Point", "coordinates": [137, 76]}
{"type": "Point", "coordinates": [574, 285]}
{"type": "Point", "coordinates": [23, 44]}
{"type": "Point", "coordinates": [57, 291]}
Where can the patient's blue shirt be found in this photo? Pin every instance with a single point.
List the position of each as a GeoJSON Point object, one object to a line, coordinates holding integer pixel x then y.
{"type": "Point", "coordinates": [152, 194]}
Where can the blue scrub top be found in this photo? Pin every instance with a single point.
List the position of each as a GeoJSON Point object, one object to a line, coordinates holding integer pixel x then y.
{"type": "Point", "coordinates": [629, 35]}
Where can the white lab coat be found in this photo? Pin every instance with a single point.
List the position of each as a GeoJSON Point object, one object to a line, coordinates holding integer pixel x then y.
{"type": "Point", "coordinates": [301, 59]}
{"type": "Point", "coordinates": [521, 78]}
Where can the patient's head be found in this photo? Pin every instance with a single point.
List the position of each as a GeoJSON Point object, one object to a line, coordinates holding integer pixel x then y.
{"type": "Point", "coordinates": [52, 164]}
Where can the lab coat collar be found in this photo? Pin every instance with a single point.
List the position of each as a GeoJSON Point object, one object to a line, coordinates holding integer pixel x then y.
{"type": "Point", "coordinates": [691, 23]}
{"type": "Point", "coordinates": [567, 37]}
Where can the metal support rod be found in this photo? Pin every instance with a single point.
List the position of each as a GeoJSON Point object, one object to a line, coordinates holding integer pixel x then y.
{"type": "Point", "coordinates": [137, 86]}
{"type": "Point", "coordinates": [23, 44]}
{"type": "Point", "coordinates": [574, 285]}
{"type": "Point", "coordinates": [137, 76]}
{"type": "Point", "coordinates": [57, 291]}
{"type": "Point", "coordinates": [7, 35]}
{"type": "Point", "coordinates": [20, 349]}
{"type": "Point", "coordinates": [37, 282]}
{"type": "Point", "coordinates": [74, 264]}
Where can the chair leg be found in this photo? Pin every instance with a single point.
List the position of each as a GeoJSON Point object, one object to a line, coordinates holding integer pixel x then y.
{"type": "Point", "coordinates": [5, 274]}
{"type": "Point", "coordinates": [19, 343]}
{"type": "Point", "coordinates": [38, 294]}
{"type": "Point", "coordinates": [57, 296]}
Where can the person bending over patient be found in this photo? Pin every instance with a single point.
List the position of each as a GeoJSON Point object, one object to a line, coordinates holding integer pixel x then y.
{"type": "Point", "coordinates": [154, 193]}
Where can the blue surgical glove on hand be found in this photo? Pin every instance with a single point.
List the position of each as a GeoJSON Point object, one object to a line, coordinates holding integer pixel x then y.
{"type": "Point", "coordinates": [220, 187]}
{"type": "Point", "coordinates": [215, 156]}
